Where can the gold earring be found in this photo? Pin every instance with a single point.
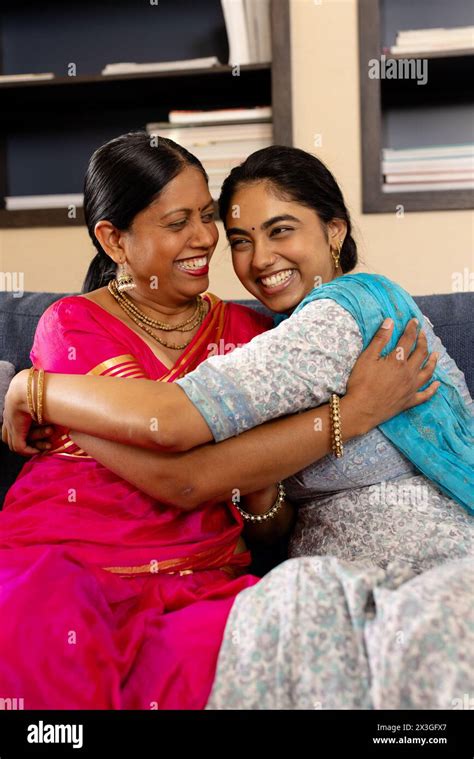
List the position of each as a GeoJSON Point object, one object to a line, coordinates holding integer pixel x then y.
{"type": "Point", "coordinates": [124, 279]}
{"type": "Point", "coordinates": [336, 255]}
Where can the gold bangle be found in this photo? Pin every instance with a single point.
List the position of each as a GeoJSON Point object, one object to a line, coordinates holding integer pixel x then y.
{"type": "Point", "coordinates": [336, 433]}
{"type": "Point", "coordinates": [29, 394]}
{"type": "Point", "coordinates": [272, 511]}
{"type": "Point", "coordinates": [39, 396]}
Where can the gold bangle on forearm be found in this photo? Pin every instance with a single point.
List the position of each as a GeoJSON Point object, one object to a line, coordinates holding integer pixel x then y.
{"type": "Point", "coordinates": [29, 394]}
{"type": "Point", "coordinates": [39, 396]}
{"type": "Point", "coordinates": [336, 432]}
{"type": "Point", "coordinates": [272, 511]}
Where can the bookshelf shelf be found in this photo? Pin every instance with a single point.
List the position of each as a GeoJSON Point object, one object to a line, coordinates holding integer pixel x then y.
{"type": "Point", "coordinates": [394, 111]}
{"type": "Point", "coordinates": [183, 73]}
{"type": "Point", "coordinates": [69, 116]}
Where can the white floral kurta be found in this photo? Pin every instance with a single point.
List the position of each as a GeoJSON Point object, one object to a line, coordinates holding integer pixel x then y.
{"type": "Point", "coordinates": [375, 607]}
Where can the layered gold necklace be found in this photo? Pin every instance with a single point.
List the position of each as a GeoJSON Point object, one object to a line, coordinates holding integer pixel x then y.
{"type": "Point", "coordinates": [149, 325]}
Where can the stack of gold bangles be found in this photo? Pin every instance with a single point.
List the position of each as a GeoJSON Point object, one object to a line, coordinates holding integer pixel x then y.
{"type": "Point", "coordinates": [35, 393]}
{"type": "Point", "coordinates": [336, 433]}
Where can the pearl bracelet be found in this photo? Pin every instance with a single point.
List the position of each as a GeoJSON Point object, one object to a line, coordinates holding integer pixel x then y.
{"type": "Point", "coordinates": [272, 511]}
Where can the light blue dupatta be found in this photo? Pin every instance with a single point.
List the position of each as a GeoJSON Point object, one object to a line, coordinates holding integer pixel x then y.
{"type": "Point", "coordinates": [438, 436]}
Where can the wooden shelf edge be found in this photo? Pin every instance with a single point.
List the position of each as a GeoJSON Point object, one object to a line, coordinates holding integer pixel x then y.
{"type": "Point", "coordinates": [40, 217]}
{"type": "Point", "coordinates": [101, 78]}
{"type": "Point", "coordinates": [465, 53]}
{"type": "Point", "coordinates": [412, 202]}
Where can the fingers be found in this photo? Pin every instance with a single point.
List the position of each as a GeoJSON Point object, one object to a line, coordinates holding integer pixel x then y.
{"type": "Point", "coordinates": [420, 354]}
{"type": "Point", "coordinates": [42, 445]}
{"type": "Point", "coordinates": [426, 373]}
{"type": "Point", "coordinates": [424, 395]}
{"type": "Point", "coordinates": [381, 338]}
{"type": "Point", "coordinates": [405, 344]}
{"type": "Point", "coordinates": [40, 432]}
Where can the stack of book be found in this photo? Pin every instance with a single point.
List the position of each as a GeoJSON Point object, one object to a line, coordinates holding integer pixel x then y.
{"type": "Point", "coordinates": [33, 202]}
{"type": "Point", "coordinates": [442, 167]}
{"type": "Point", "coordinates": [248, 30]}
{"type": "Point", "coordinates": [220, 139]}
{"type": "Point", "coordinates": [418, 41]}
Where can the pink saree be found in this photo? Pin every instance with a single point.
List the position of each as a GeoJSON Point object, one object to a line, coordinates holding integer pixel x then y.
{"type": "Point", "coordinates": [109, 599]}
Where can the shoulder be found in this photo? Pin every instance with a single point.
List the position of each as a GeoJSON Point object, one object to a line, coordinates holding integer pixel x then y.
{"type": "Point", "coordinates": [65, 307]}
{"type": "Point", "coordinates": [67, 312]}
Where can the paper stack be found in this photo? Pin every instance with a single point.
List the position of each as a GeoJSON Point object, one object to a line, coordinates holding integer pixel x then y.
{"type": "Point", "coordinates": [415, 41]}
{"type": "Point", "coordinates": [440, 167]}
{"type": "Point", "coordinates": [114, 69]}
{"type": "Point", "coordinates": [219, 146]}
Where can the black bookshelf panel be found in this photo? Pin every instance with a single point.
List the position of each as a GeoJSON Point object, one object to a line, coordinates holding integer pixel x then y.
{"type": "Point", "coordinates": [47, 36]}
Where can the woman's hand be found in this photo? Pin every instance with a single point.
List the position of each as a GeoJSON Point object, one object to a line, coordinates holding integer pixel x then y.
{"type": "Point", "coordinates": [16, 417]}
{"type": "Point", "coordinates": [381, 387]}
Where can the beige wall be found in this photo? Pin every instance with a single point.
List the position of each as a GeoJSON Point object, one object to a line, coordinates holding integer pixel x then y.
{"type": "Point", "coordinates": [420, 250]}
{"type": "Point", "coordinates": [56, 260]}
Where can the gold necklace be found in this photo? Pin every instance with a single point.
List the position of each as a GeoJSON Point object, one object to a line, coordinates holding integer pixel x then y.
{"type": "Point", "coordinates": [127, 303]}
{"type": "Point", "coordinates": [140, 322]}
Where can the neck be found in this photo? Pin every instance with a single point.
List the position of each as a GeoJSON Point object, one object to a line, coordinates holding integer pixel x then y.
{"type": "Point", "coordinates": [163, 309]}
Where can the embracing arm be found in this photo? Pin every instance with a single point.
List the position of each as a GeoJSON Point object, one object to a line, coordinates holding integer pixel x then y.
{"type": "Point", "coordinates": [151, 414]}
{"type": "Point", "coordinates": [377, 390]}
{"type": "Point", "coordinates": [247, 463]}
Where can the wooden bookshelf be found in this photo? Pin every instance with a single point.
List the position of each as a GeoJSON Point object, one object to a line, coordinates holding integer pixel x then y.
{"type": "Point", "coordinates": [69, 107]}
{"type": "Point", "coordinates": [450, 76]}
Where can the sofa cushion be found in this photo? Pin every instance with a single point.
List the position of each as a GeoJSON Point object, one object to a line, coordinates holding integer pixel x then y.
{"type": "Point", "coordinates": [18, 320]}
{"type": "Point", "coordinates": [7, 372]}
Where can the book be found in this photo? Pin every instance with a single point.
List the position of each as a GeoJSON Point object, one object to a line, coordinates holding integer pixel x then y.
{"type": "Point", "coordinates": [433, 40]}
{"type": "Point", "coordinates": [424, 186]}
{"type": "Point", "coordinates": [248, 28]}
{"type": "Point", "coordinates": [433, 176]}
{"type": "Point", "coordinates": [30, 202]}
{"type": "Point", "coordinates": [220, 116]}
{"type": "Point", "coordinates": [209, 135]}
{"type": "Point", "coordinates": [263, 9]}
{"type": "Point", "coordinates": [219, 146]}
{"type": "Point", "coordinates": [428, 152]}
{"type": "Point", "coordinates": [257, 18]}
{"type": "Point", "coordinates": [112, 69]}
{"type": "Point", "coordinates": [427, 165]}
{"type": "Point", "coordinates": [4, 78]}
{"type": "Point", "coordinates": [237, 32]}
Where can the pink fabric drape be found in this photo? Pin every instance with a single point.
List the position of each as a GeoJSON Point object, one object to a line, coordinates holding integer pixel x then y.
{"type": "Point", "coordinates": [109, 599]}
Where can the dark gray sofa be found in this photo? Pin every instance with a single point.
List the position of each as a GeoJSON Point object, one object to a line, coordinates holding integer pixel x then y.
{"type": "Point", "coordinates": [452, 316]}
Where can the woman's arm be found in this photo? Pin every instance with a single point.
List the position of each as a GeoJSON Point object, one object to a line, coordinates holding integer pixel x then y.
{"type": "Point", "coordinates": [151, 414]}
{"type": "Point", "coordinates": [273, 451]}
{"type": "Point", "coordinates": [245, 464]}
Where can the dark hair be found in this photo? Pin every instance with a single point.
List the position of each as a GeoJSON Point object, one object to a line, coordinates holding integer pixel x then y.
{"type": "Point", "coordinates": [299, 176]}
{"type": "Point", "coordinates": [122, 178]}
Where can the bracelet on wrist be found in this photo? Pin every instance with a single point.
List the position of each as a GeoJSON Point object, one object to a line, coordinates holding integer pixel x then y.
{"type": "Point", "coordinates": [35, 394]}
{"type": "Point", "coordinates": [270, 513]}
{"type": "Point", "coordinates": [336, 431]}
{"type": "Point", "coordinates": [29, 394]}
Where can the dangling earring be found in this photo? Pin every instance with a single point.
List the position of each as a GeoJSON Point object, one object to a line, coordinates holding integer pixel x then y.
{"type": "Point", "coordinates": [124, 279]}
{"type": "Point", "coordinates": [336, 255]}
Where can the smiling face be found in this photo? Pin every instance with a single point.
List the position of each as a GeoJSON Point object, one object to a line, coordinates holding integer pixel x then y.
{"type": "Point", "coordinates": [170, 243]}
{"type": "Point", "coordinates": [280, 248]}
